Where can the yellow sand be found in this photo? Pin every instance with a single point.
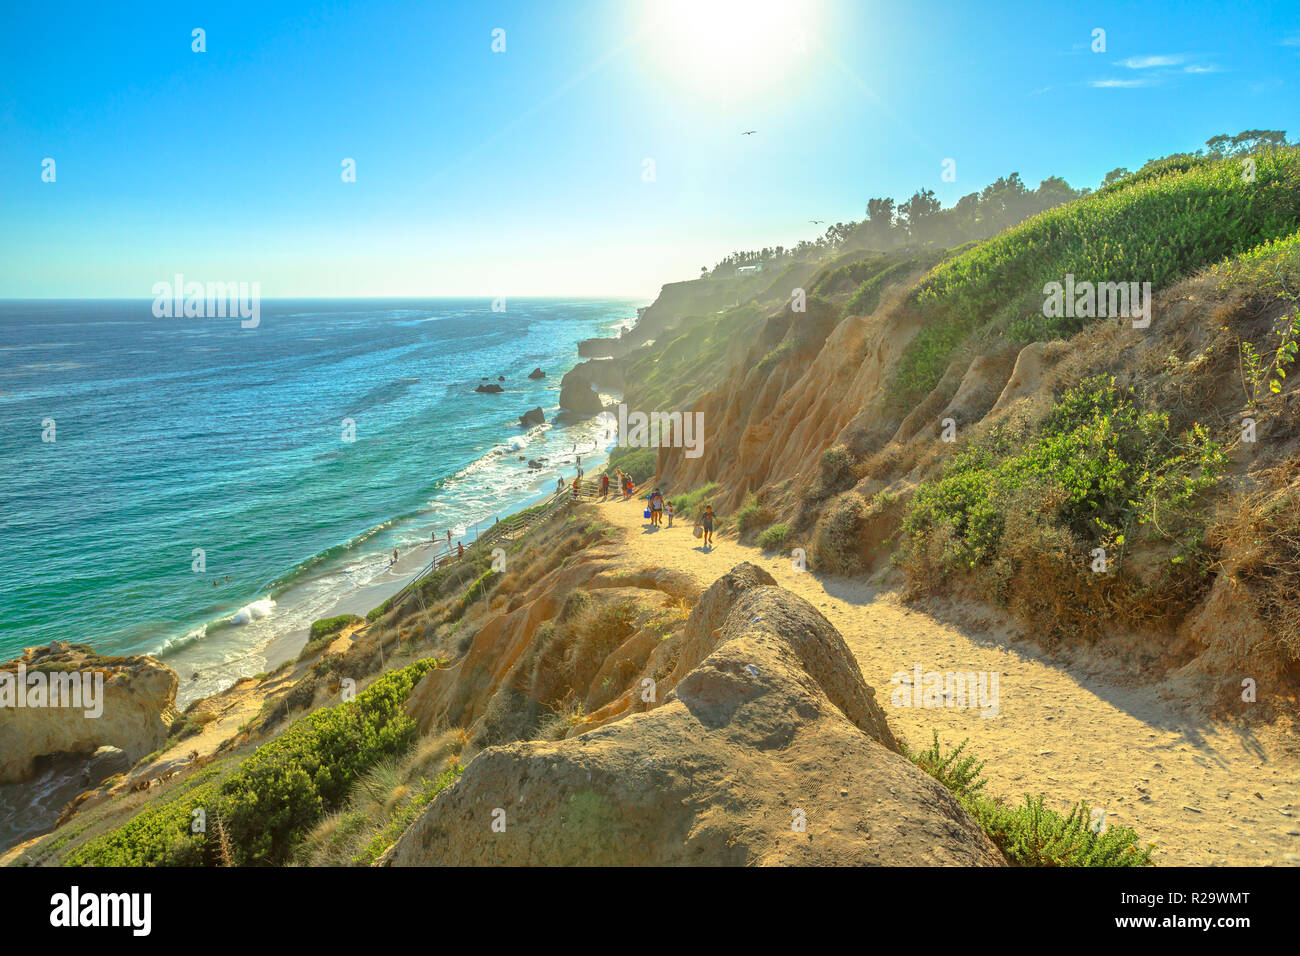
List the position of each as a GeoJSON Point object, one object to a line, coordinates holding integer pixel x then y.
{"type": "Point", "coordinates": [1204, 792]}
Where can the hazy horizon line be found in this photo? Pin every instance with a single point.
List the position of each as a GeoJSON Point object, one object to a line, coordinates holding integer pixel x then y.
{"type": "Point", "coordinates": [333, 298]}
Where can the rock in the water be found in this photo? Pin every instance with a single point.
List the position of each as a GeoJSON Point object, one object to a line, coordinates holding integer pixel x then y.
{"type": "Point", "coordinates": [765, 746]}
{"type": "Point", "coordinates": [534, 417]}
{"type": "Point", "coordinates": [537, 373]}
{"type": "Point", "coordinates": [578, 395]}
{"type": "Point", "coordinates": [534, 464]}
{"type": "Point", "coordinates": [491, 389]}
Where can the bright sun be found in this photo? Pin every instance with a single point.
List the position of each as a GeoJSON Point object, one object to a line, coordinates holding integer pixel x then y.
{"type": "Point", "coordinates": [729, 48]}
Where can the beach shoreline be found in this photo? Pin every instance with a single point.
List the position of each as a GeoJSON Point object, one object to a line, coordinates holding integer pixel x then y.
{"type": "Point", "coordinates": [203, 669]}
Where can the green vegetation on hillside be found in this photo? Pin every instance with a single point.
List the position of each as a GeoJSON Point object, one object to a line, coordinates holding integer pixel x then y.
{"type": "Point", "coordinates": [1113, 469]}
{"type": "Point", "coordinates": [640, 463]}
{"type": "Point", "coordinates": [324, 631]}
{"type": "Point", "coordinates": [256, 810]}
{"type": "Point", "coordinates": [1173, 217]}
{"type": "Point", "coordinates": [1098, 473]}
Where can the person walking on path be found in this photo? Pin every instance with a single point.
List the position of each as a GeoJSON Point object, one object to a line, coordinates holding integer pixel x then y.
{"type": "Point", "coordinates": [670, 514]}
{"type": "Point", "coordinates": [460, 550]}
{"type": "Point", "coordinates": [604, 485]}
{"type": "Point", "coordinates": [656, 508]}
{"type": "Point", "coordinates": [706, 522]}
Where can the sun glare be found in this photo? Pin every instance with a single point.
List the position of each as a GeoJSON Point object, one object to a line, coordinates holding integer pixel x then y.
{"type": "Point", "coordinates": [729, 48]}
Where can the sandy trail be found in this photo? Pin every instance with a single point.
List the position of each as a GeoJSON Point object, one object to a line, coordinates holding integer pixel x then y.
{"type": "Point", "coordinates": [1206, 793]}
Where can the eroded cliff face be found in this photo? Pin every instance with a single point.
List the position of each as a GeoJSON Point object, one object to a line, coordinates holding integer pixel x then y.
{"type": "Point", "coordinates": [808, 418]}
{"type": "Point", "coordinates": [761, 745]}
{"type": "Point", "coordinates": [571, 644]}
{"type": "Point", "coordinates": [768, 423]}
{"type": "Point", "coordinates": [132, 712]}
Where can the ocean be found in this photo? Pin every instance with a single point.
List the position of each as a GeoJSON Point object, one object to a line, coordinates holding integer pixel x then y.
{"type": "Point", "coordinates": [142, 459]}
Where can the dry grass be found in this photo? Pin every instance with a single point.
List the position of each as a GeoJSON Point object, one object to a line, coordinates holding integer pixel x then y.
{"type": "Point", "coordinates": [1260, 544]}
{"type": "Point", "coordinates": [381, 802]}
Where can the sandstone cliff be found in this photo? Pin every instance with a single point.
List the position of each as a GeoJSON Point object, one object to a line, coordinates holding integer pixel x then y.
{"type": "Point", "coordinates": [768, 748]}
{"type": "Point", "coordinates": [137, 706]}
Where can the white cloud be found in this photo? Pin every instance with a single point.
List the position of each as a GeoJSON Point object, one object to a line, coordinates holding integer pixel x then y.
{"type": "Point", "coordinates": [1117, 84]}
{"type": "Point", "coordinates": [1211, 68]}
{"type": "Point", "coordinates": [1146, 62]}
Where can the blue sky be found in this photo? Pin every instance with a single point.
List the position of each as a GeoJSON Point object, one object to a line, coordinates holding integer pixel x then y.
{"type": "Point", "coordinates": [524, 172]}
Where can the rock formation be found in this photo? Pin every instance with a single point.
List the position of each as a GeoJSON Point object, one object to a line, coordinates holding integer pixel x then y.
{"type": "Point", "coordinates": [534, 417]}
{"type": "Point", "coordinates": [766, 747]}
{"type": "Point", "coordinates": [578, 386]}
{"type": "Point", "coordinates": [135, 707]}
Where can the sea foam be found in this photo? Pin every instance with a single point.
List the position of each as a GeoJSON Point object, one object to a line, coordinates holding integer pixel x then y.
{"type": "Point", "coordinates": [253, 611]}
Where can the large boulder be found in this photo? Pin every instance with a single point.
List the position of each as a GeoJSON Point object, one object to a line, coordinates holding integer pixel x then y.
{"type": "Point", "coordinates": [132, 711]}
{"type": "Point", "coordinates": [578, 395]}
{"type": "Point", "coordinates": [769, 749]}
{"type": "Point", "coordinates": [491, 389]}
{"type": "Point", "coordinates": [537, 373]}
{"type": "Point", "coordinates": [534, 417]}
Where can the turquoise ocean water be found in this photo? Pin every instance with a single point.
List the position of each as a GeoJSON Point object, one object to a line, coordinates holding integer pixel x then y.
{"type": "Point", "coordinates": [172, 435]}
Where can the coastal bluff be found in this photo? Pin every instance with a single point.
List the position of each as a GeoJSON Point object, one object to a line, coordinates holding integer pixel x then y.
{"type": "Point", "coordinates": [768, 748]}
{"type": "Point", "coordinates": [135, 707]}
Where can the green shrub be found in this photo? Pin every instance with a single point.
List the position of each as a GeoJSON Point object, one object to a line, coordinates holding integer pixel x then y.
{"type": "Point", "coordinates": [1033, 834]}
{"type": "Point", "coordinates": [691, 505]}
{"type": "Point", "coordinates": [1116, 469]}
{"type": "Point", "coordinates": [425, 792]}
{"type": "Point", "coordinates": [324, 631]}
{"type": "Point", "coordinates": [774, 537]}
{"type": "Point", "coordinates": [835, 473]}
{"type": "Point", "coordinates": [482, 584]}
{"type": "Point", "coordinates": [332, 625]}
{"type": "Point", "coordinates": [837, 538]}
{"type": "Point", "coordinates": [752, 516]}
{"type": "Point", "coordinates": [275, 795]}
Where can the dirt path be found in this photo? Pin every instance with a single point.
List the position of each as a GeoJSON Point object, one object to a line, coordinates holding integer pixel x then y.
{"type": "Point", "coordinates": [1205, 793]}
